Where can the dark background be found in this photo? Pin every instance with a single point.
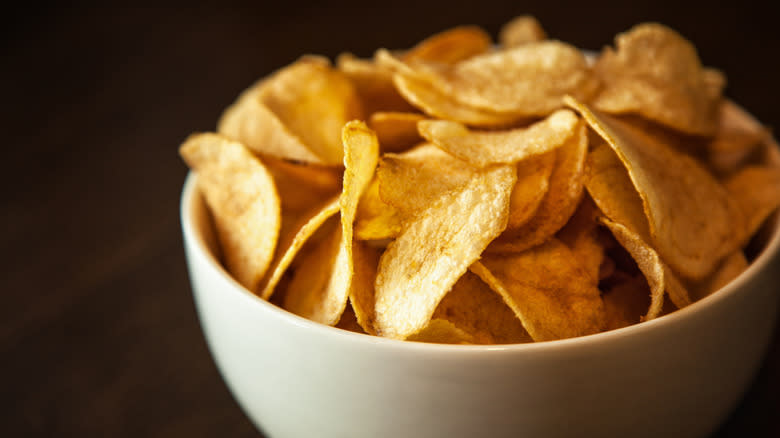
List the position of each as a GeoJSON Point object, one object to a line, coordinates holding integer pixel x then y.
{"type": "Point", "coordinates": [98, 332]}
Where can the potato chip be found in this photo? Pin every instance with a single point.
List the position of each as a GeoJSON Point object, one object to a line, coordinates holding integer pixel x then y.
{"type": "Point", "coordinates": [373, 83]}
{"type": "Point", "coordinates": [396, 131]}
{"type": "Point", "coordinates": [693, 221]}
{"type": "Point", "coordinates": [361, 292]}
{"type": "Point", "coordinates": [307, 294]}
{"type": "Point", "coordinates": [440, 331]}
{"type": "Point", "coordinates": [423, 95]}
{"type": "Point", "coordinates": [657, 274]}
{"type": "Point", "coordinates": [297, 113]}
{"type": "Point", "coordinates": [242, 197]}
{"type": "Point", "coordinates": [560, 202]}
{"type": "Point", "coordinates": [479, 311]}
{"type": "Point", "coordinates": [324, 301]}
{"type": "Point", "coordinates": [738, 136]}
{"type": "Point", "coordinates": [756, 190]}
{"type": "Point", "coordinates": [291, 242]}
{"type": "Point", "coordinates": [504, 147]}
{"type": "Point", "coordinates": [301, 185]}
{"type": "Point", "coordinates": [434, 250]}
{"type": "Point", "coordinates": [528, 80]}
{"type": "Point", "coordinates": [610, 186]}
{"type": "Point", "coordinates": [521, 30]}
{"type": "Point", "coordinates": [375, 219]}
{"type": "Point", "coordinates": [533, 182]}
{"type": "Point", "coordinates": [450, 46]}
{"type": "Point", "coordinates": [547, 289]}
{"type": "Point", "coordinates": [411, 181]}
{"type": "Point", "coordinates": [656, 72]}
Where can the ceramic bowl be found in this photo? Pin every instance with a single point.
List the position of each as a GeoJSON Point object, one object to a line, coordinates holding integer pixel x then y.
{"type": "Point", "coordinates": [679, 375]}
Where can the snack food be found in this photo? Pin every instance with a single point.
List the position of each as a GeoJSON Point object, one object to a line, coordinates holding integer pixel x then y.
{"type": "Point", "coordinates": [467, 192]}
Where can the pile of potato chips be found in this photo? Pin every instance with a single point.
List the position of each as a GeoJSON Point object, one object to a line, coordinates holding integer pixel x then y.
{"type": "Point", "coordinates": [473, 191]}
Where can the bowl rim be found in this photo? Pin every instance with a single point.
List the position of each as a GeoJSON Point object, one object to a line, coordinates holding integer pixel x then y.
{"type": "Point", "coordinates": [192, 236]}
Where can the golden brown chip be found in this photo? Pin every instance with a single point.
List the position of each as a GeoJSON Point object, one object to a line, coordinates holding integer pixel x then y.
{"type": "Point", "coordinates": [479, 311]}
{"type": "Point", "coordinates": [756, 190]}
{"type": "Point", "coordinates": [656, 72]}
{"type": "Point", "coordinates": [547, 289]}
{"type": "Point", "coordinates": [450, 46]}
{"type": "Point", "coordinates": [521, 30]}
{"type": "Point", "coordinates": [243, 200]}
{"type": "Point", "coordinates": [533, 182]}
{"type": "Point", "coordinates": [324, 301]}
{"type": "Point", "coordinates": [560, 202]}
{"type": "Point", "coordinates": [375, 219]}
{"type": "Point", "coordinates": [654, 270]}
{"type": "Point", "coordinates": [396, 131]}
{"type": "Point", "coordinates": [308, 294]}
{"type": "Point", "coordinates": [439, 331]}
{"type": "Point", "coordinates": [411, 181]}
{"type": "Point", "coordinates": [693, 220]}
{"type": "Point", "coordinates": [434, 250]}
{"type": "Point", "coordinates": [301, 185]}
{"type": "Point", "coordinates": [361, 292]}
{"type": "Point", "coordinates": [293, 240]}
{"type": "Point", "coordinates": [528, 80]}
{"type": "Point", "coordinates": [504, 147]}
{"type": "Point", "coordinates": [423, 95]}
{"type": "Point", "coordinates": [296, 113]}
{"type": "Point", "coordinates": [374, 84]}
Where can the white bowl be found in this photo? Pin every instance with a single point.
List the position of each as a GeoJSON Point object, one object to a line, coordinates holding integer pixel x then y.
{"type": "Point", "coordinates": [676, 376]}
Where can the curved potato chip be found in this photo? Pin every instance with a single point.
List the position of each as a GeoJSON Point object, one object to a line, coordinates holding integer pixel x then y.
{"type": "Point", "coordinates": [656, 72]}
{"type": "Point", "coordinates": [411, 181]}
{"type": "Point", "coordinates": [756, 189]}
{"type": "Point", "coordinates": [376, 219]}
{"type": "Point", "coordinates": [325, 301]}
{"type": "Point", "coordinates": [434, 250]}
{"type": "Point", "coordinates": [373, 83]}
{"type": "Point", "coordinates": [396, 131]}
{"type": "Point", "coordinates": [475, 308]}
{"type": "Point", "coordinates": [560, 201]}
{"type": "Point", "coordinates": [693, 221]}
{"type": "Point", "coordinates": [431, 101]}
{"type": "Point", "coordinates": [296, 113]}
{"type": "Point", "coordinates": [504, 147]}
{"type": "Point", "coordinates": [521, 30]}
{"type": "Point", "coordinates": [528, 80]}
{"type": "Point", "coordinates": [301, 185]}
{"type": "Point", "coordinates": [242, 197]}
{"type": "Point", "coordinates": [611, 188]}
{"type": "Point", "coordinates": [291, 242]}
{"type": "Point", "coordinates": [547, 289]}
{"type": "Point", "coordinates": [533, 182]}
{"type": "Point", "coordinates": [450, 46]}
{"type": "Point", "coordinates": [361, 292]}
{"type": "Point", "coordinates": [648, 261]}
{"type": "Point", "coordinates": [440, 331]}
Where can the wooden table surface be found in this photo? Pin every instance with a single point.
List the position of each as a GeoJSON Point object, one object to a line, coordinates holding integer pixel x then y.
{"type": "Point", "coordinates": [98, 332]}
